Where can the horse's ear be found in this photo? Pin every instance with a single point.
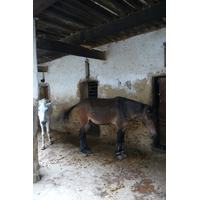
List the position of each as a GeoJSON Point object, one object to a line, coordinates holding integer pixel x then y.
{"type": "Point", "coordinates": [147, 111]}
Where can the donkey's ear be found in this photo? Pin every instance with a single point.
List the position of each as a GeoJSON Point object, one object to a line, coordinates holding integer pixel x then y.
{"type": "Point", "coordinates": [48, 104]}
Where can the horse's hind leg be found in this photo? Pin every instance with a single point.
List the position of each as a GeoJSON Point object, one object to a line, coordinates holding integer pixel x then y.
{"type": "Point", "coordinates": [119, 144]}
{"type": "Point", "coordinates": [122, 149]}
{"type": "Point", "coordinates": [86, 147]}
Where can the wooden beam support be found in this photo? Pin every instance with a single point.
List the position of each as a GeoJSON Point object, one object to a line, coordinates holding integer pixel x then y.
{"type": "Point", "coordinates": [41, 52]}
{"type": "Point", "coordinates": [41, 5]}
{"type": "Point", "coordinates": [42, 68]}
{"type": "Point", "coordinates": [138, 18]}
{"type": "Point", "coordinates": [61, 47]}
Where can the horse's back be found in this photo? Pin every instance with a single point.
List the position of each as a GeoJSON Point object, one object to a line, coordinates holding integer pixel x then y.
{"type": "Point", "coordinates": [99, 111]}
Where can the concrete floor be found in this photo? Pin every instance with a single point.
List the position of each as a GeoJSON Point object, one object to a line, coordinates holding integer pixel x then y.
{"type": "Point", "coordinates": [66, 174]}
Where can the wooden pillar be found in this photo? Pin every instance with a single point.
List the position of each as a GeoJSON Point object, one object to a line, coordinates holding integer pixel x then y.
{"type": "Point", "coordinates": [36, 175]}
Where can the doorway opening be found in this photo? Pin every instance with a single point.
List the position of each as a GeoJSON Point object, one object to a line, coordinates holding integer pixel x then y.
{"type": "Point", "coordinates": [43, 91]}
{"type": "Point", "coordinates": [159, 99]}
{"type": "Point", "coordinates": [89, 89]}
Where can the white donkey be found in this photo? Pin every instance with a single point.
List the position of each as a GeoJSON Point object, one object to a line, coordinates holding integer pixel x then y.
{"type": "Point", "coordinates": [44, 111]}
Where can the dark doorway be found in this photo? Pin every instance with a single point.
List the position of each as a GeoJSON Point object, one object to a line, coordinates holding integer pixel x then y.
{"type": "Point", "coordinates": [160, 108]}
{"type": "Point", "coordinates": [89, 89]}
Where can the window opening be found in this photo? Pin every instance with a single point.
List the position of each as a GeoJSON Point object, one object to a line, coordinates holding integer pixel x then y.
{"type": "Point", "coordinates": [92, 90]}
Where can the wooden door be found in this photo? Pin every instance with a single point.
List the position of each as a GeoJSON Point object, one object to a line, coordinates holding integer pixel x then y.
{"type": "Point", "coordinates": [162, 110]}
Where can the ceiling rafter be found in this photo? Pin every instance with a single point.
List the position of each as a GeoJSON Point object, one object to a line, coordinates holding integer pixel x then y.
{"type": "Point", "coordinates": [92, 23]}
{"type": "Point", "coordinates": [64, 48]}
{"type": "Point", "coordinates": [41, 5]}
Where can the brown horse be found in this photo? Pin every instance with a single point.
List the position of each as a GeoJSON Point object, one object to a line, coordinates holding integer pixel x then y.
{"type": "Point", "coordinates": [118, 111]}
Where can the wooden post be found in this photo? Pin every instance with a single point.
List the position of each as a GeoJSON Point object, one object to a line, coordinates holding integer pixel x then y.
{"type": "Point", "coordinates": [36, 175]}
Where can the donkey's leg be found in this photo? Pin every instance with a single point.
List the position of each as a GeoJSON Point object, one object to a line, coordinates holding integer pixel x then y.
{"type": "Point", "coordinates": [82, 141]}
{"type": "Point", "coordinates": [122, 149]}
{"type": "Point", "coordinates": [48, 134]}
{"type": "Point", "coordinates": [43, 133]}
{"type": "Point", "coordinates": [119, 144]}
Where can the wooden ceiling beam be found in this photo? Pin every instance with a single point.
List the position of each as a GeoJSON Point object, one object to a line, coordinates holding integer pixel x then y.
{"type": "Point", "coordinates": [42, 68]}
{"type": "Point", "coordinates": [155, 12]}
{"type": "Point", "coordinates": [64, 48]}
{"type": "Point", "coordinates": [41, 5]}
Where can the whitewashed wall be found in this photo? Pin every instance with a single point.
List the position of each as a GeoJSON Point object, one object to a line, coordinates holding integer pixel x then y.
{"type": "Point", "coordinates": [127, 72]}
{"type": "Point", "coordinates": [130, 60]}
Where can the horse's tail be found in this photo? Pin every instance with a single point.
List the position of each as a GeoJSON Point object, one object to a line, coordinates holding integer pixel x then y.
{"type": "Point", "coordinates": [67, 113]}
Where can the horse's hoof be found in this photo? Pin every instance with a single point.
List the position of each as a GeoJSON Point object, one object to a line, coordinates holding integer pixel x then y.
{"type": "Point", "coordinates": [89, 152]}
{"type": "Point", "coordinates": [42, 148]}
{"type": "Point", "coordinates": [120, 157]}
{"type": "Point", "coordinates": [84, 154]}
{"type": "Point", "coordinates": [124, 154]}
{"type": "Point", "coordinates": [51, 142]}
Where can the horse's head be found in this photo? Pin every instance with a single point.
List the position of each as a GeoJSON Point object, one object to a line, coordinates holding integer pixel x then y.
{"type": "Point", "coordinates": [43, 111]}
{"type": "Point", "coordinates": [148, 121]}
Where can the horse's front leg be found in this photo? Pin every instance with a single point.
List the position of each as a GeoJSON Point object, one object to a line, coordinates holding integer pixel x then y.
{"type": "Point", "coordinates": [119, 144]}
{"type": "Point", "coordinates": [82, 141]}
{"type": "Point", "coordinates": [48, 134]}
{"type": "Point", "coordinates": [122, 148]}
{"type": "Point", "coordinates": [85, 145]}
{"type": "Point", "coordinates": [43, 133]}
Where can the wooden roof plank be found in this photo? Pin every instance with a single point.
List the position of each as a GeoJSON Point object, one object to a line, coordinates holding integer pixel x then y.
{"type": "Point", "coordinates": [135, 19]}
{"type": "Point", "coordinates": [83, 10]}
{"type": "Point", "coordinates": [47, 23]}
{"type": "Point", "coordinates": [100, 11]}
{"type": "Point", "coordinates": [136, 4]}
{"type": "Point", "coordinates": [67, 20]}
{"type": "Point", "coordinates": [70, 14]}
{"type": "Point", "coordinates": [111, 6]}
{"type": "Point", "coordinates": [41, 5]}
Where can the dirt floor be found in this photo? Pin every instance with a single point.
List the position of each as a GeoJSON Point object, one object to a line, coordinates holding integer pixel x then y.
{"type": "Point", "coordinates": [66, 174]}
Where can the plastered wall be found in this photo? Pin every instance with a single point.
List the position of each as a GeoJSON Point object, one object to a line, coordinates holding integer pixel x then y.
{"type": "Point", "coordinates": [127, 72]}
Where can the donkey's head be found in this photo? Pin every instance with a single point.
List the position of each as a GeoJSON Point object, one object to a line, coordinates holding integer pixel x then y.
{"type": "Point", "coordinates": [43, 111]}
{"type": "Point", "coordinates": [148, 121]}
